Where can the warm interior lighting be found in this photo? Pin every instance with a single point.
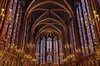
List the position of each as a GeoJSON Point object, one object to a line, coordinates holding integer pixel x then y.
{"type": "Point", "coordinates": [30, 45]}
{"type": "Point", "coordinates": [3, 15]}
{"type": "Point", "coordinates": [1, 52]}
{"type": "Point", "coordinates": [65, 60]}
{"type": "Point", "coordinates": [2, 9]}
{"type": "Point", "coordinates": [50, 53]}
{"type": "Point", "coordinates": [78, 50]}
{"type": "Point", "coordinates": [97, 15]}
{"type": "Point", "coordinates": [67, 46]}
{"type": "Point", "coordinates": [99, 19]}
{"type": "Point", "coordinates": [61, 54]}
{"type": "Point", "coordinates": [34, 60]}
{"type": "Point", "coordinates": [49, 32]}
{"type": "Point", "coordinates": [94, 12]}
{"type": "Point", "coordinates": [10, 10]}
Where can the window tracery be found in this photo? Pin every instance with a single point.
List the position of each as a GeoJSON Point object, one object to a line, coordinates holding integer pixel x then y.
{"type": "Point", "coordinates": [49, 49]}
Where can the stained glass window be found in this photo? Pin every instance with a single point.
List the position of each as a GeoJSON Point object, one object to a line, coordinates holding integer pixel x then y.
{"type": "Point", "coordinates": [88, 25]}
{"type": "Point", "coordinates": [16, 23]}
{"type": "Point", "coordinates": [11, 18]}
{"type": "Point", "coordinates": [92, 34]}
{"type": "Point", "coordinates": [81, 31]}
{"type": "Point", "coordinates": [43, 50]}
{"type": "Point", "coordinates": [71, 38]}
{"type": "Point", "coordinates": [85, 27]}
{"type": "Point", "coordinates": [56, 51]}
{"type": "Point", "coordinates": [19, 22]}
{"type": "Point", "coordinates": [49, 49]}
{"type": "Point", "coordinates": [7, 25]}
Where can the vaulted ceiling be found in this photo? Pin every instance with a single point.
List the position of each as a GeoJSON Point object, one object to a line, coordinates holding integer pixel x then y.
{"type": "Point", "coordinates": [48, 17]}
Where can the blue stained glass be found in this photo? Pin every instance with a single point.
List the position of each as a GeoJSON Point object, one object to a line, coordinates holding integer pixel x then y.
{"type": "Point", "coordinates": [87, 23]}
{"type": "Point", "coordinates": [49, 51]}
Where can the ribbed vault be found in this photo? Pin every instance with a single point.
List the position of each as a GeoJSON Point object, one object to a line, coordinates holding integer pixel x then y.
{"type": "Point", "coordinates": [44, 18]}
{"type": "Point", "coordinates": [49, 33]}
{"type": "Point", "coordinates": [43, 14]}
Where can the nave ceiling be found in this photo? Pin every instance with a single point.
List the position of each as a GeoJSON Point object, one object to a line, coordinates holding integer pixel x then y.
{"type": "Point", "coordinates": [48, 16]}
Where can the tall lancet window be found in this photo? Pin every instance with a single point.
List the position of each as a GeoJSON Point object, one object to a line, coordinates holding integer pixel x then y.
{"type": "Point", "coordinates": [86, 30]}
{"type": "Point", "coordinates": [91, 36]}
{"type": "Point", "coordinates": [49, 50]}
{"type": "Point", "coordinates": [42, 51]}
{"type": "Point", "coordinates": [85, 11]}
{"type": "Point", "coordinates": [55, 51]}
{"type": "Point", "coordinates": [81, 31]}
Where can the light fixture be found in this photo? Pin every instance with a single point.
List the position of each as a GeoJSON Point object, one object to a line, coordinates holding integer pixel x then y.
{"type": "Point", "coordinates": [34, 60]}
{"type": "Point", "coordinates": [61, 54]}
{"type": "Point", "coordinates": [65, 60]}
{"type": "Point", "coordinates": [67, 46]}
{"type": "Point", "coordinates": [94, 12]}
